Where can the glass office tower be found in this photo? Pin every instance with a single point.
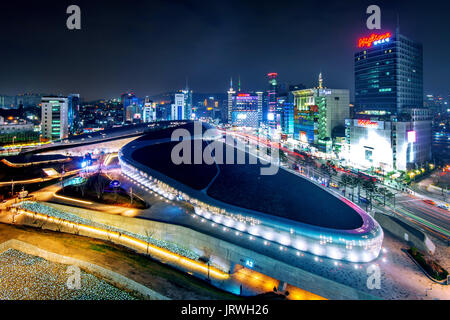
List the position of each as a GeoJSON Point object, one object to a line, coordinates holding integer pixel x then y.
{"type": "Point", "coordinates": [388, 74]}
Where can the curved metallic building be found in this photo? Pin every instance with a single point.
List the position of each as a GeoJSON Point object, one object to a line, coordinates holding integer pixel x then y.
{"type": "Point", "coordinates": [285, 208]}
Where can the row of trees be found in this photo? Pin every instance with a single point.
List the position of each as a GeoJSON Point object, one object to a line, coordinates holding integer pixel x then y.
{"type": "Point", "coordinates": [369, 186]}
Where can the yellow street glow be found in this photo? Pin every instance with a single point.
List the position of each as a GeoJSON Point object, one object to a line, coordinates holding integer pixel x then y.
{"type": "Point", "coordinates": [71, 199]}
{"type": "Point", "coordinates": [163, 254]}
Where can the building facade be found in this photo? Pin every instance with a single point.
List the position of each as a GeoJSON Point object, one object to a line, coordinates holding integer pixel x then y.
{"type": "Point", "coordinates": [149, 111]}
{"type": "Point", "coordinates": [54, 118]}
{"type": "Point", "coordinates": [187, 93]}
{"type": "Point", "coordinates": [130, 106]}
{"type": "Point", "coordinates": [178, 107]}
{"type": "Point", "coordinates": [246, 109]}
{"type": "Point", "coordinates": [389, 85]}
{"type": "Point", "coordinates": [272, 114]}
{"type": "Point", "coordinates": [74, 104]}
{"type": "Point", "coordinates": [318, 112]}
{"type": "Point", "coordinates": [17, 132]}
{"type": "Point", "coordinates": [230, 94]}
{"type": "Point", "coordinates": [389, 143]}
{"type": "Point", "coordinates": [388, 74]}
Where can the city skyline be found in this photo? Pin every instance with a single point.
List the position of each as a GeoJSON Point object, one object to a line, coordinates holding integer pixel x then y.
{"type": "Point", "coordinates": [201, 151]}
{"type": "Point", "coordinates": [121, 47]}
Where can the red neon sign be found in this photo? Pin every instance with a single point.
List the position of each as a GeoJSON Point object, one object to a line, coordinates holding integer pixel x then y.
{"type": "Point", "coordinates": [368, 41]}
{"type": "Point", "coordinates": [367, 123]}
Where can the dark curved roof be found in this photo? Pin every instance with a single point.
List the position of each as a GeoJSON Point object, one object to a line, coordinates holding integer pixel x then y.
{"type": "Point", "coordinates": [158, 157]}
{"type": "Point", "coordinates": [165, 132]}
{"type": "Point", "coordinates": [284, 194]}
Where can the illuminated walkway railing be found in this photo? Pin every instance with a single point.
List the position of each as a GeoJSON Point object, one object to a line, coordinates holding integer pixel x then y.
{"type": "Point", "coordinates": [129, 240]}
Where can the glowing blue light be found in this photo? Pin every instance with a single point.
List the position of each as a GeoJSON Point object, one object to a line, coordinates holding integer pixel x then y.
{"type": "Point", "coordinates": [249, 263]}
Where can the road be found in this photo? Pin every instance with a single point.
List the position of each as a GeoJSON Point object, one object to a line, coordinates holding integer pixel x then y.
{"type": "Point", "coordinates": [426, 216]}
{"type": "Point", "coordinates": [36, 180]}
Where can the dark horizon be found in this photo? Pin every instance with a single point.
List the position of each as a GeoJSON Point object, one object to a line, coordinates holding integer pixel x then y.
{"type": "Point", "coordinates": [152, 46]}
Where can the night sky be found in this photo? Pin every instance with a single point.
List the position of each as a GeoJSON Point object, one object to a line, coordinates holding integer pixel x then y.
{"type": "Point", "coordinates": [152, 46]}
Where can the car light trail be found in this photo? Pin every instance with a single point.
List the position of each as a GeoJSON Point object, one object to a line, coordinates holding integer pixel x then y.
{"type": "Point", "coordinates": [71, 199]}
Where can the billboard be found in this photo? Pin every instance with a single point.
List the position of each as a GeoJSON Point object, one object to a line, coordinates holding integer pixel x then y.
{"type": "Point", "coordinates": [366, 123]}
{"type": "Point", "coordinates": [411, 136]}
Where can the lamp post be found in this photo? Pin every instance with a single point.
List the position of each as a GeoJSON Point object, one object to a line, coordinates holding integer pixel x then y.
{"type": "Point", "coordinates": [13, 140]}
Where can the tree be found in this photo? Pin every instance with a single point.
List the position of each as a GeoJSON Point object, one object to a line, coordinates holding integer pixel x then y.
{"type": "Point", "coordinates": [99, 185]}
{"type": "Point", "coordinates": [82, 188]}
{"type": "Point", "coordinates": [353, 183]}
{"type": "Point", "coordinates": [346, 180]}
{"type": "Point", "coordinates": [325, 170]}
{"type": "Point", "coordinates": [370, 188]}
{"type": "Point", "coordinates": [390, 195]}
{"type": "Point", "coordinates": [283, 156]}
{"type": "Point", "coordinates": [328, 171]}
{"type": "Point", "coordinates": [207, 257]}
{"type": "Point", "coordinates": [382, 191]}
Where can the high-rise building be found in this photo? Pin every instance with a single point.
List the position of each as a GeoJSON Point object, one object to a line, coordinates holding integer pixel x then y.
{"type": "Point", "coordinates": [130, 106]}
{"type": "Point", "coordinates": [73, 112]}
{"type": "Point", "coordinates": [388, 74]}
{"type": "Point", "coordinates": [149, 111]}
{"type": "Point", "coordinates": [318, 112]}
{"type": "Point", "coordinates": [273, 113]}
{"type": "Point", "coordinates": [286, 103]}
{"type": "Point", "coordinates": [187, 103]}
{"type": "Point", "coordinates": [178, 107]}
{"type": "Point", "coordinates": [230, 93]}
{"type": "Point", "coordinates": [246, 109]}
{"type": "Point", "coordinates": [54, 118]}
{"type": "Point", "coordinates": [392, 128]}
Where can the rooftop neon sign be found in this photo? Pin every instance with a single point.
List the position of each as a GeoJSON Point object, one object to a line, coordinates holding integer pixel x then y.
{"type": "Point", "coordinates": [367, 123]}
{"type": "Point", "coordinates": [374, 39]}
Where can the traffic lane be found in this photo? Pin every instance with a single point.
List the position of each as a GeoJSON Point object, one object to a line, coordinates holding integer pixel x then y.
{"type": "Point", "coordinates": [427, 217]}
{"type": "Point", "coordinates": [436, 215]}
{"type": "Point", "coordinates": [416, 216]}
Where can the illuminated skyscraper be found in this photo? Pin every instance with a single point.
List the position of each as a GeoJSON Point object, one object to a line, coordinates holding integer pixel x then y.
{"type": "Point", "coordinates": [231, 93]}
{"type": "Point", "coordinates": [149, 111]}
{"type": "Point", "coordinates": [54, 118]}
{"type": "Point", "coordinates": [178, 107]}
{"type": "Point", "coordinates": [246, 109]}
{"type": "Point", "coordinates": [130, 106]}
{"type": "Point", "coordinates": [73, 112]}
{"type": "Point", "coordinates": [273, 115]}
{"type": "Point", "coordinates": [388, 74]}
{"type": "Point", "coordinates": [319, 111]}
{"type": "Point", "coordinates": [392, 129]}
